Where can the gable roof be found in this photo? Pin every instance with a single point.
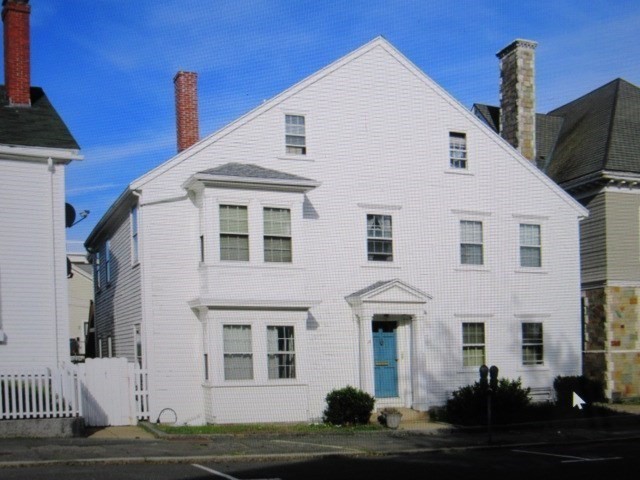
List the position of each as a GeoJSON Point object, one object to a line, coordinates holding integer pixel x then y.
{"type": "Point", "coordinates": [597, 132]}
{"type": "Point", "coordinates": [38, 125]}
{"type": "Point", "coordinates": [377, 43]}
{"type": "Point", "coordinates": [600, 132]}
{"type": "Point", "coordinates": [547, 129]}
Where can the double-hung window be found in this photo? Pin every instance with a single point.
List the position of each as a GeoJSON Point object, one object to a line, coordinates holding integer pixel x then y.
{"type": "Point", "coordinates": [134, 234]}
{"type": "Point", "coordinates": [530, 246]}
{"type": "Point", "coordinates": [234, 233]}
{"type": "Point", "coordinates": [471, 246]}
{"type": "Point", "coordinates": [238, 354]}
{"type": "Point", "coordinates": [379, 238]}
{"type": "Point", "coordinates": [458, 150]}
{"type": "Point", "coordinates": [281, 352]}
{"type": "Point", "coordinates": [295, 135]}
{"type": "Point", "coordinates": [473, 344]}
{"type": "Point", "coordinates": [532, 344]}
{"type": "Point", "coordinates": [277, 235]}
{"type": "Point", "coordinates": [107, 260]}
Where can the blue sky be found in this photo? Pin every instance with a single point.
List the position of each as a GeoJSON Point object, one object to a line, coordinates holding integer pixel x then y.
{"type": "Point", "coordinates": [108, 65]}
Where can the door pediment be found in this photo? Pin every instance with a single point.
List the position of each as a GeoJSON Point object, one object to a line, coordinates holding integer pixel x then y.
{"type": "Point", "coordinates": [390, 291]}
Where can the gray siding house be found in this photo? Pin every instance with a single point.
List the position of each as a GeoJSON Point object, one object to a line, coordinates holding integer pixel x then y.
{"type": "Point", "coordinates": [591, 148]}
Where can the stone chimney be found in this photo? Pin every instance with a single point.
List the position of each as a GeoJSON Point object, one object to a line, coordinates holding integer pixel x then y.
{"type": "Point", "coordinates": [518, 96]}
{"type": "Point", "coordinates": [17, 63]}
{"type": "Point", "coordinates": [186, 91]}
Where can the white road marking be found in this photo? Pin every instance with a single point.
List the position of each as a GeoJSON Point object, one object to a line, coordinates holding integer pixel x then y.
{"type": "Point", "coordinates": [572, 459]}
{"type": "Point", "coordinates": [223, 475]}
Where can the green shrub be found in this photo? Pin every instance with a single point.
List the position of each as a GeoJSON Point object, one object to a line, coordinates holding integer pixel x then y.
{"type": "Point", "coordinates": [588, 389]}
{"type": "Point", "coordinates": [468, 405]}
{"type": "Point", "coordinates": [348, 406]}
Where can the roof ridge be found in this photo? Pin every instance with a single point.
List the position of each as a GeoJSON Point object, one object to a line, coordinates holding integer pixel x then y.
{"type": "Point", "coordinates": [612, 119]}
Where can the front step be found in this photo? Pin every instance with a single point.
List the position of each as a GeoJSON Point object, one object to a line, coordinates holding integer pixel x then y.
{"type": "Point", "coordinates": [408, 415]}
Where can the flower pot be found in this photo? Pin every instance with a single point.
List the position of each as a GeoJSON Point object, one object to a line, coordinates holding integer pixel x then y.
{"type": "Point", "coordinates": [392, 420]}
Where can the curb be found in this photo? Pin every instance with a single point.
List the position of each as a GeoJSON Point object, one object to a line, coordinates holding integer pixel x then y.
{"type": "Point", "coordinates": [226, 458]}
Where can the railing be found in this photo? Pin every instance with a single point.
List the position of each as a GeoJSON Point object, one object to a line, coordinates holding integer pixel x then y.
{"type": "Point", "coordinates": [39, 393]}
{"type": "Point", "coordinates": [141, 393]}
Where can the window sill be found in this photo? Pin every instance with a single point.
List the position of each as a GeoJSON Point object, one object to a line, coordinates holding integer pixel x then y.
{"type": "Point", "coordinates": [249, 265]}
{"type": "Point", "coordinates": [374, 264]}
{"type": "Point", "coordinates": [254, 383]}
{"type": "Point", "coordinates": [459, 171]}
{"type": "Point", "coordinates": [469, 370]}
{"type": "Point", "coordinates": [533, 270]}
{"type": "Point", "coordinates": [533, 368]}
{"type": "Point", "coordinates": [471, 268]}
{"type": "Point", "coordinates": [296, 158]}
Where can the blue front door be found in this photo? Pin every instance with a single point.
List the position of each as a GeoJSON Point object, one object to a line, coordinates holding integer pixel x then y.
{"type": "Point", "coordinates": [385, 359]}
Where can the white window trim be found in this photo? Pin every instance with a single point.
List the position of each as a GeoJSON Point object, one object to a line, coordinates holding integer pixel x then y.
{"type": "Point", "coordinates": [294, 352]}
{"type": "Point", "coordinates": [391, 239]}
{"type": "Point", "coordinates": [305, 136]}
{"type": "Point", "coordinates": [545, 250]}
{"type": "Point", "coordinates": [482, 245]}
{"type": "Point", "coordinates": [451, 167]}
{"type": "Point", "coordinates": [472, 216]}
{"type": "Point", "coordinates": [220, 233]}
{"type": "Point", "coordinates": [252, 352]}
{"type": "Point", "coordinates": [473, 319]}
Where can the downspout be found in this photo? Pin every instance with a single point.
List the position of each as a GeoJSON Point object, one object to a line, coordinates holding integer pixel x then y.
{"type": "Point", "coordinates": [51, 168]}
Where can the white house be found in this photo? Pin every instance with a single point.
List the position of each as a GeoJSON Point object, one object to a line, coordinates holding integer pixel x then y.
{"type": "Point", "coordinates": [35, 147]}
{"type": "Point", "coordinates": [361, 228]}
{"type": "Point", "coordinates": [80, 283]}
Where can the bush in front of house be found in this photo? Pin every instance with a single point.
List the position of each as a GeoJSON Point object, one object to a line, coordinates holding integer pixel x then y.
{"type": "Point", "coordinates": [468, 405]}
{"type": "Point", "coordinates": [348, 406]}
{"type": "Point", "coordinates": [587, 389]}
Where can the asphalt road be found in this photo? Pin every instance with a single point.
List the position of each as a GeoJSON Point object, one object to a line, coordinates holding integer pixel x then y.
{"type": "Point", "coordinates": [544, 462]}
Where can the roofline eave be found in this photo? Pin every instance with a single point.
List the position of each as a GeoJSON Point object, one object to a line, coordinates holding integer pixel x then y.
{"type": "Point", "coordinates": [22, 152]}
{"type": "Point", "coordinates": [224, 181]}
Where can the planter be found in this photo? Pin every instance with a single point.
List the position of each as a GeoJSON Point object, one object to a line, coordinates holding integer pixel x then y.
{"type": "Point", "coordinates": [390, 418]}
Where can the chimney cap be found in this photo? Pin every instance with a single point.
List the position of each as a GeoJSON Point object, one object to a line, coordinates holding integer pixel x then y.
{"type": "Point", "coordinates": [517, 43]}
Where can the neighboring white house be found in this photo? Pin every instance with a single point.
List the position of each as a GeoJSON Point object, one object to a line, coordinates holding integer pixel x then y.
{"type": "Point", "coordinates": [361, 228]}
{"type": "Point", "coordinates": [80, 297]}
{"type": "Point", "coordinates": [35, 147]}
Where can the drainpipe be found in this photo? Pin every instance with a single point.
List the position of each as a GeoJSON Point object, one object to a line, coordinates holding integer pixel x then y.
{"type": "Point", "coordinates": [52, 169]}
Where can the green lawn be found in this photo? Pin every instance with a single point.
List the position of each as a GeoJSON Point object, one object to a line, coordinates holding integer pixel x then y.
{"type": "Point", "coordinates": [266, 428]}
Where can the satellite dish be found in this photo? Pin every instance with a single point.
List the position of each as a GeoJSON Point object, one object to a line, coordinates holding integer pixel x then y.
{"type": "Point", "coordinates": [70, 213]}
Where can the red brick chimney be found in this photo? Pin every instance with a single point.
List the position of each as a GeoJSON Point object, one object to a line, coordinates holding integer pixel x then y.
{"type": "Point", "coordinates": [186, 88]}
{"type": "Point", "coordinates": [17, 67]}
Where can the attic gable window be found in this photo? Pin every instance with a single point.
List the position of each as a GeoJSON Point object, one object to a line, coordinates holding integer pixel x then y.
{"type": "Point", "coordinates": [458, 150]}
{"type": "Point", "coordinates": [295, 136]}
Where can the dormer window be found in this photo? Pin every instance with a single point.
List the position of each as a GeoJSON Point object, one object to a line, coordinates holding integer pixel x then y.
{"type": "Point", "coordinates": [458, 150]}
{"type": "Point", "coordinates": [295, 138]}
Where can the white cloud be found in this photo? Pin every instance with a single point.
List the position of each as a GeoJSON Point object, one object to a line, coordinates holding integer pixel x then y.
{"type": "Point", "coordinates": [76, 191]}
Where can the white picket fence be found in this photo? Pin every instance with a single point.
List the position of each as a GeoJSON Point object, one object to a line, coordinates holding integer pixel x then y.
{"type": "Point", "coordinates": [105, 391]}
{"type": "Point", "coordinates": [39, 393]}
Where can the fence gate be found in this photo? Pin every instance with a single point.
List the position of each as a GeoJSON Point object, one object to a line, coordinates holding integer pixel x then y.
{"type": "Point", "coordinates": [109, 391]}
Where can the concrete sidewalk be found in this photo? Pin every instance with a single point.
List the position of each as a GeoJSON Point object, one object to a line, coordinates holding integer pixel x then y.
{"type": "Point", "coordinates": [121, 445]}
